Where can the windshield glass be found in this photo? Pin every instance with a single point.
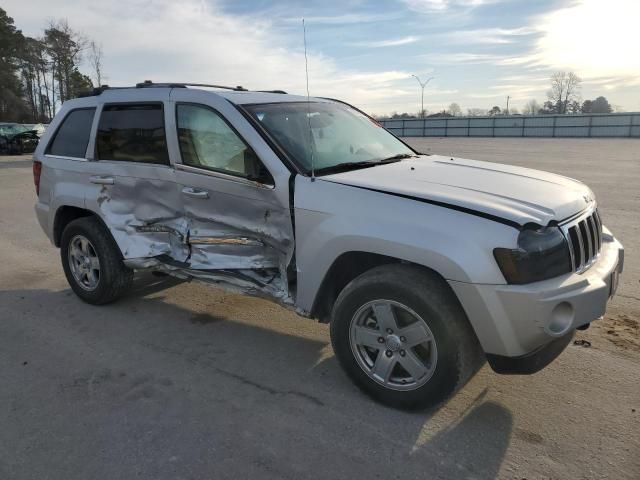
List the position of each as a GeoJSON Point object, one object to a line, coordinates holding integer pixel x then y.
{"type": "Point", "coordinates": [341, 137]}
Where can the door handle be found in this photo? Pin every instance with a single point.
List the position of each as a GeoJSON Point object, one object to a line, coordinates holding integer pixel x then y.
{"type": "Point", "coordinates": [101, 180]}
{"type": "Point", "coordinates": [192, 192]}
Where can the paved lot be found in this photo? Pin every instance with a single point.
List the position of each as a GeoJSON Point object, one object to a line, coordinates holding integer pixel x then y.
{"type": "Point", "coordinates": [182, 381]}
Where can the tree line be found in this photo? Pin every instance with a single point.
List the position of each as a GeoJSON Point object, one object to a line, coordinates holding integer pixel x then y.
{"type": "Point", "coordinates": [563, 98]}
{"type": "Point", "coordinates": [38, 74]}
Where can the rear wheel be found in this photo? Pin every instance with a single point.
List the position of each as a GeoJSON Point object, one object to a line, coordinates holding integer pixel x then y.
{"type": "Point", "coordinates": [401, 335]}
{"type": "Point", "coordinates": [92, 262]}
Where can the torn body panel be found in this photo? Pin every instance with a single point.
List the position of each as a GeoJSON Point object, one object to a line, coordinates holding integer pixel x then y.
{"type": "Point", "coordinates": [234, 224]}
{"type": "Point", "coordinates": [194, 222]}
{"type": "Point", "coordinates": [225, 237]}
{"type": "Point", "coordinates": [145, 217]}
{"type": "Point", "coordinates": [258, 283]}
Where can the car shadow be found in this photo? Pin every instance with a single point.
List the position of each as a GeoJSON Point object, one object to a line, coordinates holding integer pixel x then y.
{"type": "Point", "coordinates": [267, 376]}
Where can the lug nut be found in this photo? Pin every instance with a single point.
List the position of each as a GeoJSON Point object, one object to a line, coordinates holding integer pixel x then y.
{"type": "Point", "coordinates": [380, 340]}
{"type": "Point", "coordinates": [388, 353]}
{"type": "Point", "coordinates": [402, 353]}
{"type": "Point", "coordinates": [402, 339]}
{"type": "Point", "coordinates": [389, 331]}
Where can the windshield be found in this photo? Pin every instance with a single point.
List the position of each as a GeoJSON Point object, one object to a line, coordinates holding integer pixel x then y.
{"type": "Point", "coordinates": [341, 137]}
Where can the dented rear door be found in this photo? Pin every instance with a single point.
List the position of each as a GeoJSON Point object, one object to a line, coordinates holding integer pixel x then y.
{"type": "Point", "coordinates": [236, 207]}
{"type": "Point", "coordinates": [132, 185]}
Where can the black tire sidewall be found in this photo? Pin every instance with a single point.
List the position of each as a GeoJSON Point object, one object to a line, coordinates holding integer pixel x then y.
{"type": "Point", "coordinates": [108, 254]}
{"type": "Point", "coordinates": [382, 287]}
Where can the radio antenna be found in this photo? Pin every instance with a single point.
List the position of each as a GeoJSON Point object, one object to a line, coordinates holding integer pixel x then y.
{"type": "Point", "coordinates": [306, 69]}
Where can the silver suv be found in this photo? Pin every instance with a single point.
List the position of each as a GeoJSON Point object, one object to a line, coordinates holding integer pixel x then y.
{"type": "Point", "coordinates": [424, 265]}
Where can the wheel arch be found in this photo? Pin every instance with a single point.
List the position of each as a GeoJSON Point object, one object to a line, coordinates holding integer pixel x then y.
{"type": "Point", "coordinates": [348, 266]}
{"type": "Point", "coordinates": [66, 214]}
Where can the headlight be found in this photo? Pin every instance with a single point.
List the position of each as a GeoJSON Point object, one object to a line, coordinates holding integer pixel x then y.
{"type": "Point", "coordinates": [542, 253]}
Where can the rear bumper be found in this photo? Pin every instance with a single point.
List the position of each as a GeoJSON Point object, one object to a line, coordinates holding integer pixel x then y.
{"type": "Point", "coordinates": [519, 321]}
{"type": "Point", "coordinates": [42, 214]}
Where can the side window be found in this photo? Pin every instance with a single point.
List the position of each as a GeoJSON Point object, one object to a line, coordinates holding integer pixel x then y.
{"type": "Point", "coordinates": [207, 141]}
{"type": "Point", "coordinates": [132, 133]}
{"type": "Point", "coordinates": [72, 137]}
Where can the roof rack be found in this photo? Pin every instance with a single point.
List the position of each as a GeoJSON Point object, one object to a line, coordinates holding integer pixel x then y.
{"type": "Point", "coordinates": [149, 84]}
{"type": "Point", "coordinates": [98, 90]}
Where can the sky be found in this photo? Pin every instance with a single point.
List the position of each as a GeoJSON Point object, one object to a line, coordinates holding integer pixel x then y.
{"type": "Point", "coordinates": [364, 52]}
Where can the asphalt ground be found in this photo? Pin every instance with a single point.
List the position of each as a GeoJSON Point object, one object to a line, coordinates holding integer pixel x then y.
{"type": "Point", "coordinates": [184, 381]}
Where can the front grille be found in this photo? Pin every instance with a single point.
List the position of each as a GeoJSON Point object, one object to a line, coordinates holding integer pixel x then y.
{"type": "Point", "coordinates": [584, 237]}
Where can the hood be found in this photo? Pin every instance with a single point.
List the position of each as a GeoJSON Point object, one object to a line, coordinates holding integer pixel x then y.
{"type": "Point", "coordinates": [515, 194]}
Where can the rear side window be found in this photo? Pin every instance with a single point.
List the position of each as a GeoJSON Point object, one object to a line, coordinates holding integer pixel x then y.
{"type": "Point", "coordinates": [72, 137]}
{"type": "Point", "coordinates": [132, 133]}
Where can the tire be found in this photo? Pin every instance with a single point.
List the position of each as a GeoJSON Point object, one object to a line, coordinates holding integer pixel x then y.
{"type": "Point", "coordinates": [447, 358]}
{"type": "Point", "coordinates": [111, 279]}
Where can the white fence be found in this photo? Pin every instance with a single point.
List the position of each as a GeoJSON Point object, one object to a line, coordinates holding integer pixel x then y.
{"type": "Point", "coordinates": [588, 125]}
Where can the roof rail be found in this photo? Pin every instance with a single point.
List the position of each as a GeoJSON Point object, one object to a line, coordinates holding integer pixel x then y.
{"type": "Point", "coordinates": [149, 83]}
{"type": "Point", "coordinates": [98, 90]}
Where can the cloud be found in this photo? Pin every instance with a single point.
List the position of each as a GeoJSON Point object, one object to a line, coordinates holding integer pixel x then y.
{"type": "Point", "coordinates": [348, 18]}
{"type": "Point", "coordinates": [430, 6]}
{"type": "Point", "coordinates": [462, 58]}
{"type": "Point", "coordinates": [195, 41]}
{"type": "Point", "coordinates": [394, 42]}
{"type": "Point", "coordinates": [592, 37]}
{"type": "Point", "coordinates": [484, 95]}
{"type": "Point", "coordinates": [487, 36]}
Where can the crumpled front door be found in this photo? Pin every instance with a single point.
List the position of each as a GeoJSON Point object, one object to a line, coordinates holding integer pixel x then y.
{"type": "Point", "coordinates": [234, 225]}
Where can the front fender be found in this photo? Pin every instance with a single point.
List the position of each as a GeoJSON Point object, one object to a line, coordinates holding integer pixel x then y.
{"type": "Point", "coordinates": [333, 219]}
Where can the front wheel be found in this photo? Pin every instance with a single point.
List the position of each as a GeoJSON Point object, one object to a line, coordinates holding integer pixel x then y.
{"type": "Point", "coordinates": [401, 335]}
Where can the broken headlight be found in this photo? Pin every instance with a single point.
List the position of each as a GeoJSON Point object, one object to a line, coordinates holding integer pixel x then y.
{"type": "Point", "coordinates": [542, 253]}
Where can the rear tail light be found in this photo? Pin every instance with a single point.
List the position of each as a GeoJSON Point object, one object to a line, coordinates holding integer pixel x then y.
{"type": "Point", "coordinates": [37, 169]}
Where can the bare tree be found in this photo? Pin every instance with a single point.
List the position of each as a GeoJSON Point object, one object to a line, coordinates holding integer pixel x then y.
{"type": "Point", "coordinates": [455, 110]}
{"type": "Point", "coordinates": [565, 89]}
{"type": "Point", "coordinates": [95, 59]}
{"type": "Point", "coordinates": [531, 107]}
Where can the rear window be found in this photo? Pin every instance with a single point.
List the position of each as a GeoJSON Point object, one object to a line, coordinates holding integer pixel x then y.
{"type": "Point", "coordinates": [72, 137]}
{"type": "Point", "coordinates": [132, 133]}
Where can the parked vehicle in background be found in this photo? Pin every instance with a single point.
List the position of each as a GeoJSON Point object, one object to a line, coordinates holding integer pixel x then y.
{"type": "Point", "coordinates": [424, 265]}
{"type": "Point", "coordinates": [19, 138]}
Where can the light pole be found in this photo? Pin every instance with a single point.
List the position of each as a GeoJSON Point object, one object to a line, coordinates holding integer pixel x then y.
{"type": "Point", "coordinates": [422, 85]}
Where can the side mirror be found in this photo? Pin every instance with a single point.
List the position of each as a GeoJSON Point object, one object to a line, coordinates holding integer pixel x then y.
{"type": "Point", "coordinates": [255, 170]}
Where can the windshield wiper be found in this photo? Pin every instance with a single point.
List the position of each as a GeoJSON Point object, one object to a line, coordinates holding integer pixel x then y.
{"type": "Point", "coordinates": [345, 167]}
{"type": "Point", "coordinates": [397, 157]}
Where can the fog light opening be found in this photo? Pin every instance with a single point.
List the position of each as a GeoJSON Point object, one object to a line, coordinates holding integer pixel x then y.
{"type": "Point", "coordinates": [561, 319]}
